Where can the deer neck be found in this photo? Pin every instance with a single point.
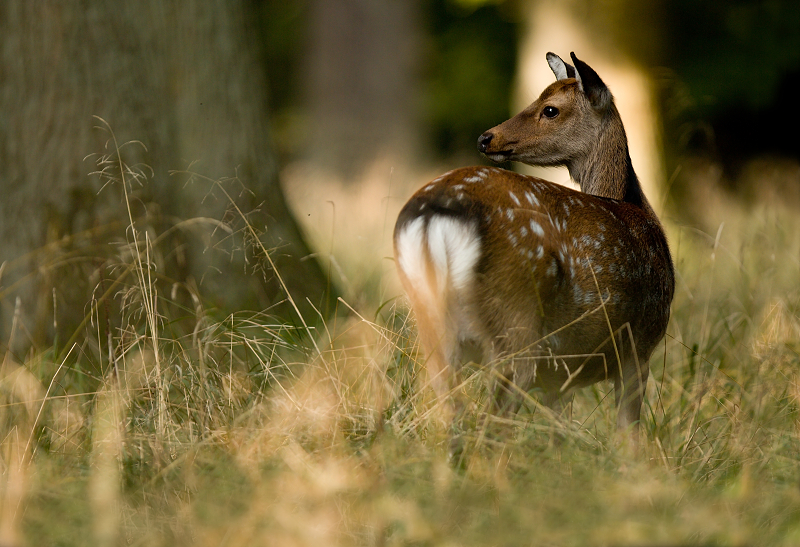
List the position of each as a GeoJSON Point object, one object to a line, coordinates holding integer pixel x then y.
{"type": "Point", "coordinates": [606, 169]}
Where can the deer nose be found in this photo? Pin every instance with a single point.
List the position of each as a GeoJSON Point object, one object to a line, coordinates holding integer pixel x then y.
{"type": "Point", "coordinates": [484, 140]}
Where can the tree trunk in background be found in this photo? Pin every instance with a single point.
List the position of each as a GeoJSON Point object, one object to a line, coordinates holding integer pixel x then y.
{"type": "Point", "coordinates": [361, 81]}
{"type": "Point", "coordinates": [185, 79]}
{"type": "Point", "coordinates": [618, 39]}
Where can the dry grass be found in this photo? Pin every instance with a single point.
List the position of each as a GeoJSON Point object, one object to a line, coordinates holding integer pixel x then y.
{"type": "Point", "coordinates": [244, 431]}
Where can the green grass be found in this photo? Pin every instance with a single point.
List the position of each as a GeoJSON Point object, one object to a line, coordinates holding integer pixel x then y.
{"type": "Point", "coordinates": [192, 429]}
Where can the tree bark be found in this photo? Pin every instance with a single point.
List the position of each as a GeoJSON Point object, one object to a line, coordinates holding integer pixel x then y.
{"type": "Point", "coordinates": [361, 82]}
{"type": "Point", "coordinates": [185, 79]}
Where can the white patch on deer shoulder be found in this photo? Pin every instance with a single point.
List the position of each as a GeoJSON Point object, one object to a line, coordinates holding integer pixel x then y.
{"type": "Point", "coordinates": [531, 197]}
{"type": "Point", "coordinates": [552, 269]}
{"type": "Point", "coordinates": [523, 231]}
{"type": "Point", "coordinates": [536, 228]}
{"type": "Point", "coordinates": [539, 252]}
{"type": "Point", "coordinates": [510, 214]}
{"type": "Point", "coordinates": [512, 238]}
{"type": "Point", "coordinates": [472, 179]}
{"type": "Point", "coordinates": [514, 198]}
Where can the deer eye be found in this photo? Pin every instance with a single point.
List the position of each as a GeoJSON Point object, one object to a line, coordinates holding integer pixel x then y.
{"type": "Point", "coordinates": [550, 112]}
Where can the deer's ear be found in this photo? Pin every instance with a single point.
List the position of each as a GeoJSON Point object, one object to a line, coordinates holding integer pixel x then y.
{"type": "Point", "coordinates": [592, 86]}
{"type": "Point", "coordinates": [561, 69]}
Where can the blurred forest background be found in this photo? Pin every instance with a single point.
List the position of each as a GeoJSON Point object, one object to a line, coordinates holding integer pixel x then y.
{"type": "Point", "coordinates": [317, 119]}
{"type": "Point", "coordinates": [188, 189]}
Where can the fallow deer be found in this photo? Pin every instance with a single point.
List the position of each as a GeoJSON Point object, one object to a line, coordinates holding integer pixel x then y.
{"type": "Point", "coordinates": [556, 288]}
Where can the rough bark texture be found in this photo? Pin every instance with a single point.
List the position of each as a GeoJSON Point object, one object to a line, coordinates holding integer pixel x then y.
{"type": "Point", "coordinates": [185, 79]}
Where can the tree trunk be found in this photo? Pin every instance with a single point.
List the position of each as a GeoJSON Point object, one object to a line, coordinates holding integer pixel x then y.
{"type": "Point", "coordinates": [361, 82]}
{"type": "Point", "coordinates": [185, 79]}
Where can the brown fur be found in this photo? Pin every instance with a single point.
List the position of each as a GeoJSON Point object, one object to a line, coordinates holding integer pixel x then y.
{"type": "Point", "coordinates": [570, 288]}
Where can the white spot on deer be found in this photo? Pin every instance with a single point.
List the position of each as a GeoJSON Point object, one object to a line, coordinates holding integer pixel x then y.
{"type": "Point", "coordinates": [598, 268]}
{"type": "Point", "coordinates": [539, 252]}
{"type": "Point", "coordinates": [514, 198]}
{"type": "Point", "coordinates": [510, 214]}
{"type": "Point", "coordinates": [529, 254]}
{"type": "Point", "coordinates": [472, 179]}
{"type": "Point", "coordinates": [422, 206]}
{"type": "Point", "coordinates": [566, 208]}
{"type": "Point", "coordinates": [430, 187]}
{"type": "Point", "coordinates": [523, 231]}
{"type": "Point", "coordinates": [460, 196]}
{"type": "Point", "coordinates": [531, 197]}
{"type": "Point", "coordinates": [536, 228]}
{"type": "Point", "coordinates": [458, 187]}
{"type": "Point", "coordinates": [552, 270]}
{"type": "Point", "coordinates": [512, 238]}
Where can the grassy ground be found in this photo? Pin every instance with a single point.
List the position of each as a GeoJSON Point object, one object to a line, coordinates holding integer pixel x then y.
{"type": "Point", "coordinates": [240, 430]}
